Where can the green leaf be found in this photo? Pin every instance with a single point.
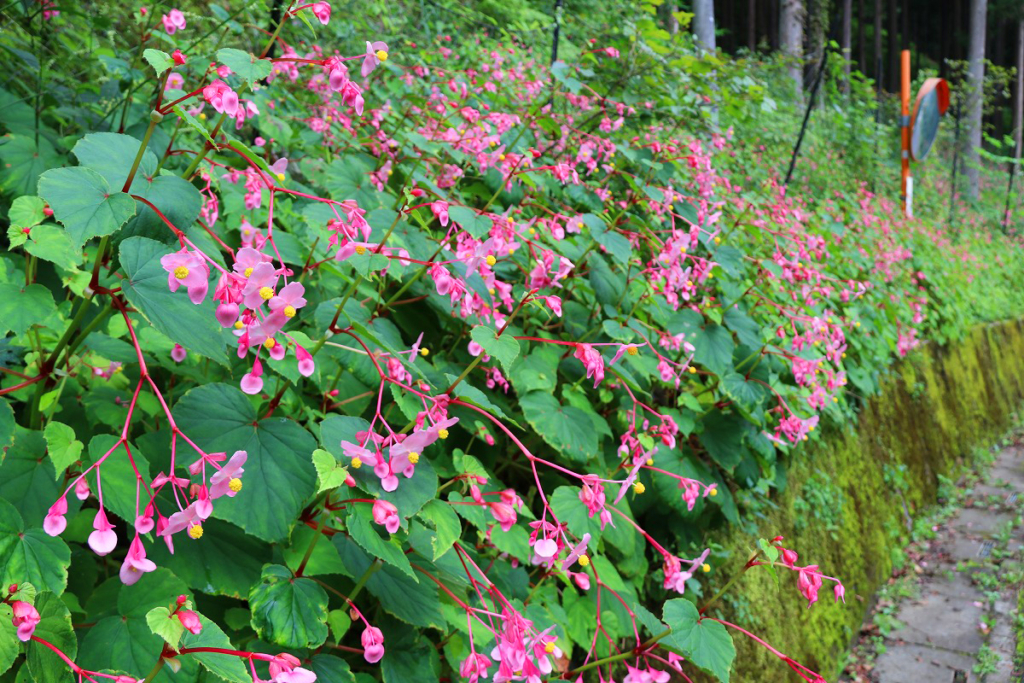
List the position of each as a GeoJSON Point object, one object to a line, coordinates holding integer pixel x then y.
{"type": "Point", "coordinates": [246, 66]}
{"type": "Point", "coordinates": [746, 393]}
{"type": "Point", "coordinates": [54, 627]}
{"type": "Point", "coordinates": [537, 369]}
{"type": "Point", "coordinates": [7, 424]}
{"type": "Point", "coordinates": [166, 625]}
{"type": "Point", "coordinates": [158, 59]}
{"type": "Point", "coordinates": [569, 430]}
{"type": "Point", "coordinates": [120, 483]}
{"type": "Point", "coordinates": [446, 524]}
{"type": "Point", "coordinates": [53, 244]}
{"type": "Point", "coordinates": [704, 642]}
{"type": "Point", "coordinates": [772, 553]}
{"type": "Point", "coordinates": [225, 561]}
{"type": "Point", "coordinates": [225, 667]}
{"type": "Point", "coordinates": [288, 611]}
{"type": "Point", "coordinates": [23, 160]}
{"type": "Point", "coordinates": [467, 392]}
{"type": "Point", "coordinates": [64, 449]}
{"type": "Point", "coordinates": [22, 307]}
{"type": "Point", "coordinates": [10, 646]}
{"type": "Point", "coordinates": [505, 348]}
{"type": "Point", "coordinates": [420, 663]}
{"type": "Point", "coordinates": [714, 347]}
{"type": "Point", "coordinates": [26, 212]}
{"type": "Point", "coordinates": [279, 475]}
{"type": "Point", "coordinates": [565, 503]}
{"type": "Point", "coordinates": [31, 554]}
{"type": "Point", "coordinates": [723, 437]}
{"type": "Point", "coordinates": [26, 479]}
{"type": "Point", "coordinates": [476, 225]}
{"type": "Point", "coordinates": [331, 669]}
{"type": "Point", "coordinates": [84, 202]}
{"type": "Point", "coordinates": [112, 155]}
{"type": "Point", "coordinates": [193, 123]}
{"type": "Point", "coordinates": [329, 472]}
{"type": "Point", "coordinates": [365, 534]}
{"type": "Point", "coordinates": [172, 313]}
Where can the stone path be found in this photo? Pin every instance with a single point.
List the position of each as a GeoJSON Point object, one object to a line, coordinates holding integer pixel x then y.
{"type": "Point", "coordinates": [959, 625]}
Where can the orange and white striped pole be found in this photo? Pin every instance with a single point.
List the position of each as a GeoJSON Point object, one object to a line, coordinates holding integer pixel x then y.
{"type": "Point", "coordinates": [907, 185]}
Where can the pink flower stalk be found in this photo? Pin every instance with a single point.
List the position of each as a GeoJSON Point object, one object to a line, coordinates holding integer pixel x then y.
{"type": "Point", "coordinates": [190, 620]}
{"type": "Point", "coordinates": [25, 619]}
{"type": "Point", "coordinates": [376, 53]}
{"type": "Point", "coordinates": [173, 21]}
{"type": "Point", "coordinates": [185, 268]}
{"type": "Point", "coordinates": [54, 523]}
{"type": "Point", "coordinates": [592, 360]}
{"type": "Point", "coordinates": [135, 563]}
{"type": "Point", "coordinates": [373, 644]}
{"type": "Point", "coordinates": [103, 539]}
{"type": "Point", "coordinates": [386, 514]}
{"type": "Point", "coordinates": [322, 11]}
{"type": "Point", "coordinates": [221, 97]}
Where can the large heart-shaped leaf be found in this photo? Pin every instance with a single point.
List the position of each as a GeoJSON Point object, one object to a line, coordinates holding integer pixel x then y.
{"type": "Point", "coordinates": [566, 428]}
{"type": "Point", "coordinates": [84, 202]}
{"type": "Point", "coordinates": [505, 348]}
{"type": "Point", "coordinates": [246, 66]}
{"type": "Point", "coordinates": [706, 643]}
{"type": "Point", "coordinates": [288, 611]}
{"type": "Point", "coordinates": [55, 628]}
{"type": "Point", "coordinates": [279, 473]}
{"type": "Point", "coordinates": [30, 554]}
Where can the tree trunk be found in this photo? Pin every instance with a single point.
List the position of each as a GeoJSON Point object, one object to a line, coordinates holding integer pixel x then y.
{"type": "Point", "coordinates": [894, 46]}
{"type": "Point", "coordinates": [877, 62]}
{"type": "Point", "coordinates": [752, 25]}
{"type": "Point", "coordinates": [1018, 95]}
{"type": "Point", "coordinates": [861, 56]}
{"type": "Point", "coordinates": [847, 42]}
{"type": "Point", "coordinates": [704, 23]}
{"type": "Point", "coordinates": [791, 40]}
{"type": "Point", "coordinates": [975, 92]}
{"type": "Point", "coordinates": [815, 28]}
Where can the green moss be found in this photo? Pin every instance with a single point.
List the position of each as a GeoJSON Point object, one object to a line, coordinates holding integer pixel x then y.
{"type": "Point", "coordinates": [935, 408]}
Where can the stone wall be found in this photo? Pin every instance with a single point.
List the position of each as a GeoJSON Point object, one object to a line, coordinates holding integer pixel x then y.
{"type": "Point", "coordinates": [935, 408]}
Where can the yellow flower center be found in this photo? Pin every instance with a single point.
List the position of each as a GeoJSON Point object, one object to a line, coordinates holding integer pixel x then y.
{"type": "Point", "coordinates": [494, 143]}
{"type": "Point", "coordinates": [584, 560]}
{"type": "Point", "coordinates": [356, 463]}
{"type": "Point", "coordinates": [238, 324]}
{"type": "Point", "coordinates": [632, 350]}
{"type": "Point", "coordinates": [280, 176]}
{"type": "Point", "coordinates": [714, 492]}
{"type": "Point", "coordinates": [382, 56]}
{"type": "Point", "coordinates": [266, 293]}
{"type": "Point", "coordinates": [491, 260]}
{"type": "Point", "coordinates": [532, 231]}
{"type": "Point", "coordinates": [269, 343]}
{"type": "Point", "coordinates": [705, 567]}
{"type": "Point", "coordinates": [424, 351]}
{"type": "Point", "coordinates": [202, 116]}
{"type": "Point", "coordinates": [491, 291]}
{"type": "Point", "coordinates": [639, 488]}
{"type": "Point", "coordinates": [501, 157]}
{"type": "Point", "coordinates": [181, 272]}
{"type": "Point", "coordinates": [443, 433]}
{"type": "Point", "coordinates": [360, 249]}
{"type": "Point", "coordinates": [195, 531]}
{"type": "Point", "coordinates": [693, 370]}
{"type": "Point", "coordinates": [650, 461]}
{"type": "Point", "coordinates": [289, 311]}
{"type": "Point", "coordinates": [248, 271]}
{"type": "Point", "coordinates": [718, 240]}
{"type": "Point", "coordinates": [414, 457]}
{"type": "Point", "coordinates": [550, 647]}
{"type": "Point", "coordinates": [235, 484]}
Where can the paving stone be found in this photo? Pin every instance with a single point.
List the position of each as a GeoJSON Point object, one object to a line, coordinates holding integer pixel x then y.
{"type": "Point", "coordinates": [979, 522]}
{"type": "Point", "coordinates": [920, 664]}
{"type": "Point", "coordinates": [944, 616]}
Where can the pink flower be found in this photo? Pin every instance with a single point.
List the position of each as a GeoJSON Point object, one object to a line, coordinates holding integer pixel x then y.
{"type": "Point", "coordinates": [220, 95]}
{"type": "Point", "coordinates": [135, 563]}
{"type": "Point", "coordinates": [296, 675]}
{"type": "Point", "coordinates": [440, 211]}
{"type": "Point", "coordinates": [173, 21]}
{"type": "Point", "coordinates": [259, 287]}
{"type": "Point", "coordinates": [178, 353]}
{"type": "Point", "coordinates": [373, 644]}
{"type": "Point", "coordinates": [178, 57]}
{"type": "Point", "coordinates": [103, 539]}
{"type": "Point", "coordinates": [322, 11]}
{"type": "Point", "coordinates": [545, 548]}
{"type": "Point", "coordinates": [504, 513]}
{"type": "Point", "coordinates": [289, 299]}
{"type": "Point", "coordinates": [185, 268]}
{"type": "Point", "coordinates": [54, 523]}
{"type": "Point", "coordinates": [840, 592]}
{"type": "Point", "coordinates": [190, 620]}
{"type": "Point", "coordinates": [386, 514]}
{"type": "Point", "coordinates": [252, 381]}
{"type": "Point", "coordinates": [376, 53]}
{"type": "Point", "coordinates": [809, 582]}
{"type": "Point", "coordinates": [475, 667]}
{"type": "Point", "coordinates": [227, 480]}
{"type": "Point", "coordinates": [82, 489]}
{"type": "Point", "coordinates": [25, 619]}
{"type": "Point", "coordinates": [789, 557]}
{"type": "Point", "coordinates": [592, 360]}
{"type": "Point", "coordinates": [305, 359]}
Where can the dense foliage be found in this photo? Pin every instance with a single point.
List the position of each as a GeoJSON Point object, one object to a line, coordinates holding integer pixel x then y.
{"type": "Point", "coordinates": [362, 348]}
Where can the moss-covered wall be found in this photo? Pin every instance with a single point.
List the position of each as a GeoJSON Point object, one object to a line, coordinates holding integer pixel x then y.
{"type": "Point", "coordinates": [937, 406]}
